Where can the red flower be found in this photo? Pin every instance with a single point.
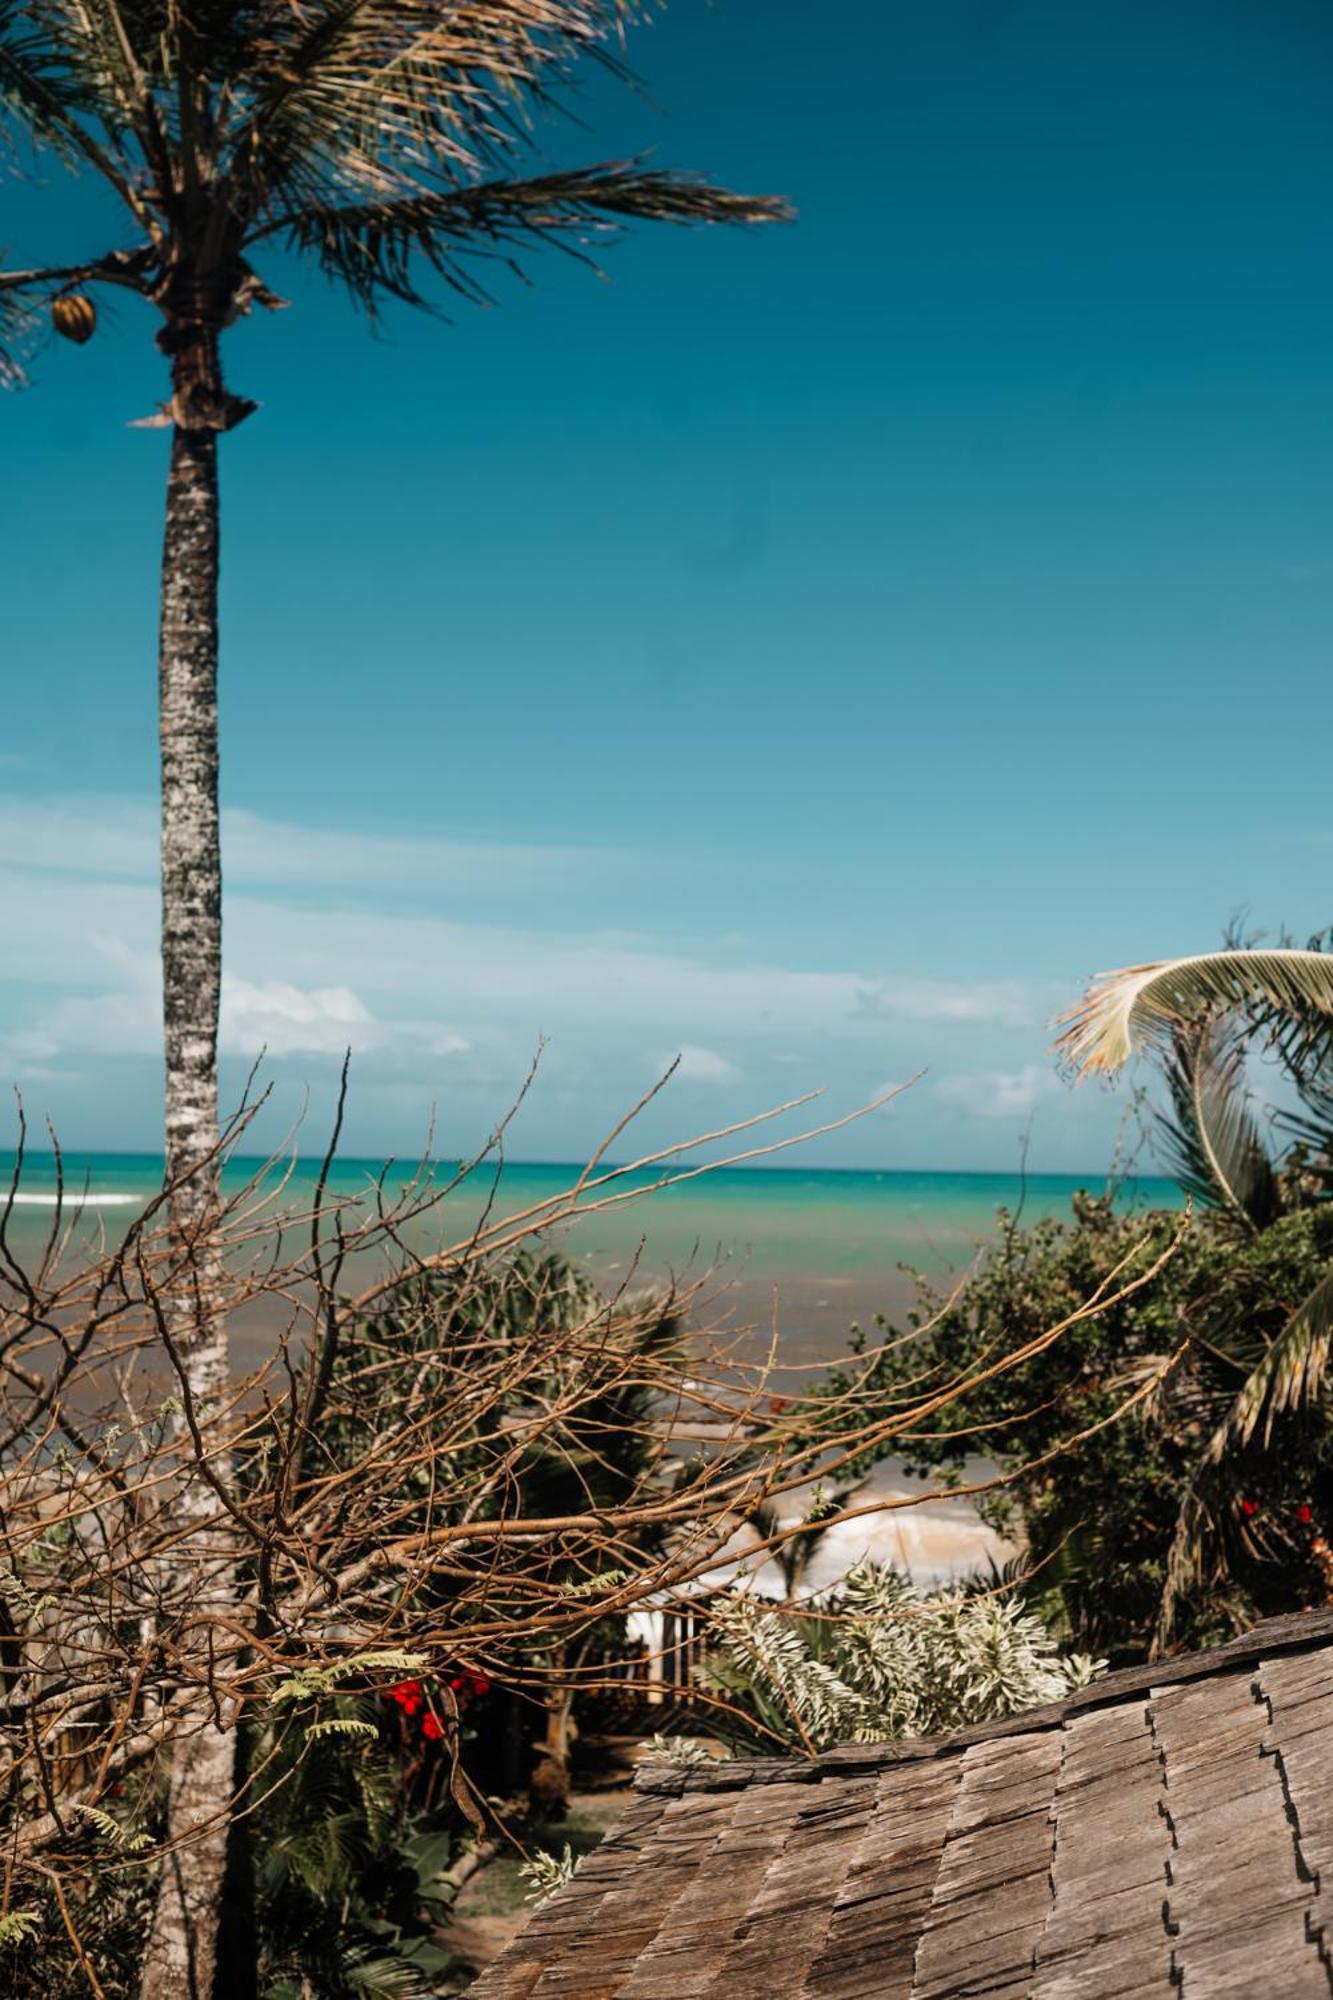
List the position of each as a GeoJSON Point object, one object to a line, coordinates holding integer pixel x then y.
{"type": "Point", "coordinates": [431, 1728]}
{"type": "Point", "coordinates": [407, 1695]}
{"type": "Point", "coordinates": [468, 1685]}
{"type": "Point", "coordinates": [1249, 1506]}
{"type": "Point", "coordinates": [1305, 1514]}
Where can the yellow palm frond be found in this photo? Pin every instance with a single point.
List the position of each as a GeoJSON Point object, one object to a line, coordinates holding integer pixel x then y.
{"type": "Point", "coordinates": [1292, 1374]}
{"type": "Point", "coordinates": [1139, 1005]}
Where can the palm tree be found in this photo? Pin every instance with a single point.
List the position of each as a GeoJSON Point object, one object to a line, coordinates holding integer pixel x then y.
{"type": "Point", "coordinates": [377, 140]}
{"type": "Point", "coordinates": [1200, 1015]}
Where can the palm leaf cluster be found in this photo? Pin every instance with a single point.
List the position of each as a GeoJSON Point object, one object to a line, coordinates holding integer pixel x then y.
{"type": "Point", "coordinates": [1202, 1014]}
{"type": "Point", "coordinates": [1215, 1144]}
{"type": "Point", "coordinates": [382, 139]}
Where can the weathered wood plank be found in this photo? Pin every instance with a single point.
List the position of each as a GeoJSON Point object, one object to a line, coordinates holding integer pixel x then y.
{"type": "Point", "coordinates": [1236, 1901]}
{"type": "Point", "coordinates": [789, 1918]}
{"type": "Point", "coordinates": [683, 1959]}
{"type": "Point", "coordinates": [591, 1963]}
{"type": "Point", "coordinates": [879, 1912]}
{"type": "Point", "coordinates": [1170, 1828]}
{"type": "Point", "coordinates": [572, 1909]}
{"type": "Point", "coordinates": [993, 1893]}
{"type": "Point", "coordinates": [1106, 1934]}
{"type": "Point", "coordinates": [1300, 1737]}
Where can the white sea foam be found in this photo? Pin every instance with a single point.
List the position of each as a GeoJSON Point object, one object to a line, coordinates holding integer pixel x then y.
{"type": "Point", "coordinates": [73, 1199]}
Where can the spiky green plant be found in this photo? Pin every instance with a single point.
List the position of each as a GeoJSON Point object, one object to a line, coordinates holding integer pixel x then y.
{"type": "Point", "coordinates": [879, 1658]}
{"type": "Point", "coordinates": [544, 1873]}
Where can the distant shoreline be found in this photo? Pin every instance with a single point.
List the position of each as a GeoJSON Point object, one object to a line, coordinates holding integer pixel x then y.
{"type": "Point", "coordinates": [810, 1249]}
{"type": "Point", "coordinates": [406, 1162]}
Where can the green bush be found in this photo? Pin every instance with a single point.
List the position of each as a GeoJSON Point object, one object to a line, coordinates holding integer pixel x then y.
{"type": "Point", "coordinates": [1165, 1520]}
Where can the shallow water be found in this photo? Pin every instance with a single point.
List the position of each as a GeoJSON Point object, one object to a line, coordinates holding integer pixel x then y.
{"type": "Point", "coordinates": [808, 1250]}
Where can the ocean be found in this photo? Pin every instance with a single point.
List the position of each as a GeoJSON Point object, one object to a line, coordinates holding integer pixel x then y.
{"type": "Point", "coordinates": [810, 1250]}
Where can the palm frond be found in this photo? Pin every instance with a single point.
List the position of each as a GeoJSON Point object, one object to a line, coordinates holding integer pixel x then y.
{"type": "Point", "coordinates": [1289, 1377]}
{"type": "Point", "coordinates": [20, 328]}
{"type": "Point", "coordinates": [1309, 1127]}
{"type": "Point", "coordinates": [1122, 1011]}
{"type": "Point", "coordinates": [96, 37]}
{"type": "Point", "coordinates": [1304, 1047]}
{"type": "Point", "coordinates": [37, 88]}
{"type": "Point", "coordinates": [1186, 1557]}
{"type": "Point", "coordinates": [1292, 1374]}
{"type": "Point", "coordinates": [1211, 1137]}
{"type": "Point", "coordinates": [371, 85]}
{"type": "Point", "coordinates": [372, 246]}
{"type": "Point", "coordinates": [55, 87]}
{"type": "Point", "coordinates": [376, 136]}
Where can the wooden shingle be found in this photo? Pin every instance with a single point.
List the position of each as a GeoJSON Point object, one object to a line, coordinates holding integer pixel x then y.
{"type": "Point", "coordinates": [1167, 1831]}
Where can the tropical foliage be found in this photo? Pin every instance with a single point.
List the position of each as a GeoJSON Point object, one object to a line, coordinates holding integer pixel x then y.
{"type": "Point", "coordinates": [378, 141]}
{"type": "Point", "coordinates": [370, 1798]}
{"type": "Point", "coordinates": [350, 1865]}
{"type": "Point", "coordinates": [1138, 1527]}
{"type": "Point", "coordinates": [877, 1658]}
{"type": "Point", "coordinates": [1171, 1463]}
{"type": "Point", "coordinates": [1143, 1005]}
{"type": "Point", "coordinates": [603, 1369]}
{"type": "Point", "coordinates": [108, 1909]}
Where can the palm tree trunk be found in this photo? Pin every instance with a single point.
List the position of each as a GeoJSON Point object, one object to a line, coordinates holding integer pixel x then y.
{"type": "Point", "coordinates": [191, 851]}
{"type": "Point", "coordinates": [181, 1951]}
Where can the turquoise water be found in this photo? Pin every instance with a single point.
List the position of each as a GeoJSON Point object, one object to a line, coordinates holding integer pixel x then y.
{"type": "Point", "coordinates": [817, 1247]}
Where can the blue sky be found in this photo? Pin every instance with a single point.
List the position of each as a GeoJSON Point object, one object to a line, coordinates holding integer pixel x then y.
{"type": "Point", "coordinates": [817, 651]}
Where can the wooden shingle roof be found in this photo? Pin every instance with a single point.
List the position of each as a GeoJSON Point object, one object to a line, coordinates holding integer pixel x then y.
{"type": "Point", "coordinates": [1167, 1831]}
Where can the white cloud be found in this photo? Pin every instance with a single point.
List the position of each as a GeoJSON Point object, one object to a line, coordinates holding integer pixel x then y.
{"type": "Point", "coordinates": [108, 836]}
{"type": "Point", "coordinates": [438, 1006]}
{"type": "Point", "coordinates": [450, 1044]}
{"type": "Point", "coordinates": [1006, 1002]}
{"type": "Point", "coordinates": [1001, 1093]}
{"type": "Point", "coordinates": [286, 1020]}
{"type": "Point", "coordinates": [92, 891]}
{"type": "Point", "coordinates": [696, 1065]}
{"type": "Point", "coordinates": [302, 979]}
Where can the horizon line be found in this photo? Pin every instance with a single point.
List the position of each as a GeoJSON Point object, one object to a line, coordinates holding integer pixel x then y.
{"type": "Point", "coordinates": [416, 1163]}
